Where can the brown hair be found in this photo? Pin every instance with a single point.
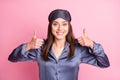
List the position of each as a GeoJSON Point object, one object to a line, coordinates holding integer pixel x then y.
{"type": "Point", "coordinates": [50, 39]}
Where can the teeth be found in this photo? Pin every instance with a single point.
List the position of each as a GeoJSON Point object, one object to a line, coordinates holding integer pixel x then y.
{"type": "Point", "coordinates": [59, 33]}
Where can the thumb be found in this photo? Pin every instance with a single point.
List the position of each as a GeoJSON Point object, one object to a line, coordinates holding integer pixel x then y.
{"type": "Point", "coordinates": [34, 36]}
{"type": "Point", "coordinates": [84, 32]}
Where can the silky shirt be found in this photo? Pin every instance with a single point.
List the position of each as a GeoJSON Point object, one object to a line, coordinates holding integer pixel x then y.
{"type": "Point", "coordinates": [64, 68]}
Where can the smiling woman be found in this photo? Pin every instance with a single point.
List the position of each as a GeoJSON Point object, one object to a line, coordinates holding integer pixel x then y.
{"type": "Point", "coordinates": [60, 28]}
{"type": "Point", "coordinates": [60, 55]}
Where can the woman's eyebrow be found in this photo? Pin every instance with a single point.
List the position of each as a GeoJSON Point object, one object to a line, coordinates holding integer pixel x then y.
{"type": "Point", "coordinates": [55, 22]}
{"type": "Point", "coordinates": [64, 21]}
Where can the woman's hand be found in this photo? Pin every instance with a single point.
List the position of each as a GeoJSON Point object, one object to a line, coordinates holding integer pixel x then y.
{"type": "Point", "coordinates": [85, 40]}
{"type": "Point", "coordinates": [35, 43]}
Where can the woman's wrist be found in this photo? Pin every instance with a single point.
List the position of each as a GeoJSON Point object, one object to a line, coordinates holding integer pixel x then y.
{"type": "Point", "coordinates": [92, 45]}
{"type": "Point", "coordinates": [28, 47]}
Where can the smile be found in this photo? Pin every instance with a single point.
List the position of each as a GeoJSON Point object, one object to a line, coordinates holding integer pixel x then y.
{"type": "Point", "coordinates": [60, 33]}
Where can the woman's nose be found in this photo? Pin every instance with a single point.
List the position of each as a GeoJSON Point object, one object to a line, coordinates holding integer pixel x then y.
{"type": "Point", "coordinates": [60, 27]}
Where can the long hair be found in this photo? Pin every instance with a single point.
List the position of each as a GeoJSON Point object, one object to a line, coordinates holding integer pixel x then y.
{"type": "Point", "coordinates": [50, 39]}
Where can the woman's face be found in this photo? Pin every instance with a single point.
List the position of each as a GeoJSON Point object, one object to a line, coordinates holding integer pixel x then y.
{"type": "Point", "coordinates": [60, 28]}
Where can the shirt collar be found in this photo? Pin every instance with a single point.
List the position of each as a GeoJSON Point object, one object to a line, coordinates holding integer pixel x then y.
{"type": "Point", "coordinates": [66, 48]}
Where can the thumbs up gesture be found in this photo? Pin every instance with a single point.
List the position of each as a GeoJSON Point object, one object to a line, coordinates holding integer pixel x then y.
{"type": "Point", "coordinates": [85, 40]}
{"type": "Point", "coordinates": [35, 43]}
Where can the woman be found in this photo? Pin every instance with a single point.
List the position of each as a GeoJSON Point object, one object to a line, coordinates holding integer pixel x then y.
{"type": "Point", "coordinates": [59, 56]}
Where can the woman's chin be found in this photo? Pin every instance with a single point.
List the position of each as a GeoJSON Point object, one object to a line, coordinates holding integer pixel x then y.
{"type": "Point", "coordinates": [60, 38]}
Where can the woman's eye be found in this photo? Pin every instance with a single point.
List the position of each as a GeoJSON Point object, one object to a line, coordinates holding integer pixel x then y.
{"type": "Point", "coordinates": [54, 24]}
{"type": "Point", "coordinates": [64, 24]}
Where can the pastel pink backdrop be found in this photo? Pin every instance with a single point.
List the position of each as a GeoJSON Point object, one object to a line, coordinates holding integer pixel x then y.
{"type": "Point", "coordinates": [20, 18]}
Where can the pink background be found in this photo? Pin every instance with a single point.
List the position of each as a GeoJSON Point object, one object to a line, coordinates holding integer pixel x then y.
{"type": "Point", "coordinates": [20, 18]}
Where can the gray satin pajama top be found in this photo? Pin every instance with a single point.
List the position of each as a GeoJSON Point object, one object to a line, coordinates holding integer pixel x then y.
{"type": "Point", "coordinates": [63, 68]}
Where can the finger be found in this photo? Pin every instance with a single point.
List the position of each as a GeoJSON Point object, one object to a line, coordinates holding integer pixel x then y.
{"type": "Point", "coordinates": [84, 32]}
{"type": "Point", "coordinates": [80, 38]}
{"type": "Point", "coordinates": [38, 45]}
{"type": "Point", "coordinates": [80, 41]}
{"type": "Point", "coordinates": [40, 40]}
{"type": "Point", "coordinates": [34, 36]}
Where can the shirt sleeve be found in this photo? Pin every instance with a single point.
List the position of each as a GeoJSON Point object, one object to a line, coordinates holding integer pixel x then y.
{"type": "Point", "coordinates": [19, 54]}
{"type": "Point", "coordinates": [96, 57]}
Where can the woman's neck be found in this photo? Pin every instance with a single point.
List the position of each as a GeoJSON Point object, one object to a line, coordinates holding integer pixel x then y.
{"type": "Point", "coordinates": [59, 43]}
